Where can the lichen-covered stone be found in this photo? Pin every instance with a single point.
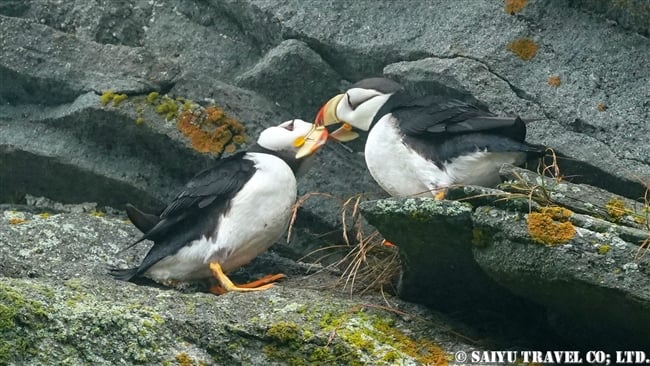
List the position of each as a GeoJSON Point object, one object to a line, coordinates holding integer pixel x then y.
{"type": "Point", "coordinates": [578, 267]}
{"type": "Point", "coordinates": [58, 305]}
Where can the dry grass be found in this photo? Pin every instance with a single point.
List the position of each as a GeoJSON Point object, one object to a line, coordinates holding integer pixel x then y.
{"type": "Point", "coordinates": [366, 263]}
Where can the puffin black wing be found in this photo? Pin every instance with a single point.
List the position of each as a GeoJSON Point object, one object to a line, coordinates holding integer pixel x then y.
{"type": "Point", "coordinates": [442, 128]}
{"type": "Point", "coordinates": [436, 114]}
{"type": "Point", "coordinates": [195, 211]}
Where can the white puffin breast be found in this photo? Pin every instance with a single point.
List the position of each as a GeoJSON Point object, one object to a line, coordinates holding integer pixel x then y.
{"type": "Point", "coordinates": [399, 170]}
{"type": "Point", "coordinates": [259, 214]}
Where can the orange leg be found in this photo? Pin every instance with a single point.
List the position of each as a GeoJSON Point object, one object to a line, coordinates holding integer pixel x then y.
{"type": "Point", "coordinates": [226, 285]}
{"type": "Point", "coordinates": [263, 281]}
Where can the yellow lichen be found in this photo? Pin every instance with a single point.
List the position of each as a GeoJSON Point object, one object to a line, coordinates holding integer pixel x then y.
{"type": "Point", "coordinates": [139, 120]}
{"type": "Point", "coordinates": [97, 213]}
{"type": "Point", "coordinates": [119, 98]}
{"type": "Point", "coordinates": [604, 249]}
{"type": "Point", "coordinates": [183, 359]}
{"type": "Point", "coordinates": [524, 48]}
{"type": "Point", "coordinates": [168, 107]}
{"type": "Point", "coordinates": [514, 6]}
{"type": "Point", "coordinates": [239, 139]}
{"type": "Point", "coordinates": [44, 215]}
{"type": "Point", "coordinates": [16, 221]}
{"type": "Point", "coordinates": [230, 148]}
{"type": "Point", "coordinates": [554, 81]}
{"type": "Point", "coordinates": [107, 96]}
{"type": "Point", "coordinates": [550, 226]}
{"type": "Point", "coordinates": [616, 208]}
{"type": "Point", "coordinates": [152, 97]}
{"type": "Point", "coordinates": [425, 351]}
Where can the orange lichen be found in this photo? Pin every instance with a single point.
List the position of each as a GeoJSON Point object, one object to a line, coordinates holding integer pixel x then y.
{"type": "Point", "coordinates": [230, 148]}
{"type": "Point", "coordinates": [525, 48]}
{"type": "Point", "coordinates": [213, 114]}
{"type": "Point", "coordinates": [551, 226]}
{"type": "Point", "coordinates": [16, 221]}
{"type": "Point", "coordinates": [513, 7]}
{"type": "Point", "coordinates": [554, 81]}
{"type": "Point", "coordinates": [183, 359]}
{"type": "Point", "coordinates": [210, 130]}
{"type": "Point", "coordinates": [601, 107]}
{"type": "Point", "coordinates": [616, 208]}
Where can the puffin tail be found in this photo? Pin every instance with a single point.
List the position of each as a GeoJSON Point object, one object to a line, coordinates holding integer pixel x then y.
{"type": "Point", "coordinates": [143, 221]}
{"type": "Point", "coordinates": [123, 274]}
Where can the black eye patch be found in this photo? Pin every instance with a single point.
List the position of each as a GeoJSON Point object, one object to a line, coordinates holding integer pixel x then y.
{"type": "Point", "coordinates": [354, 105]}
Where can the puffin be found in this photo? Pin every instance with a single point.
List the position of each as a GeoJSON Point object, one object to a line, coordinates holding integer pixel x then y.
{"type": "Point", "coordinates": [227, 214]}
{"type": "Point", "coordinates": [421, 145]}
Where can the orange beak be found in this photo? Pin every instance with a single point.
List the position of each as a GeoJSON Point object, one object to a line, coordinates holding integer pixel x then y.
{"type": "Point", "coordinates": [316, 138]}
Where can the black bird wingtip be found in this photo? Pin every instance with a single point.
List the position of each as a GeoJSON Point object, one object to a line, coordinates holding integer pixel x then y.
{"type": "Point", "coordinates": [143, 221]}
{"type": "Point", "coordinates": [126, 274]}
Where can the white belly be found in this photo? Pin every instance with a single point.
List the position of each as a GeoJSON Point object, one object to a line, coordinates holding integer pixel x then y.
{"type": "Point", "coordinates": [259, 214]}
{"type": "Point", "coordinates": [399, 170]}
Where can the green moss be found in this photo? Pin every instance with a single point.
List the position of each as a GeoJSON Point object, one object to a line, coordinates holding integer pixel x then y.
{"type": "Point", "coordinates": [168, 108]}
{"type": "Point", "coordinates": [604, 249]}
{"type": "Point", "coordinates": [152, 98]}
{"type": "Point", "coordinates": [118, 99]}
{"type": "Point", "coordinates": [106, 97]}
{"type": "Point", "coordinates": [19, 317]}
{"type": "Point", "coordinates": [479, 238]}
{"type": "Point", "coordinates": [352, 338]}
{"type": "Point", "coordinates": [284, 332]}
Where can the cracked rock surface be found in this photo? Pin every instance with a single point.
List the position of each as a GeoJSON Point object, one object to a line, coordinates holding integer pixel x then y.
{"type": "Point", "coordinates": [586, 92]}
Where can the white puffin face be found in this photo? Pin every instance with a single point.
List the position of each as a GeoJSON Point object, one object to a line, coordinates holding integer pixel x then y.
{"type": "Point", "coordinates": [288, 136]}
{"type": "Point", "coordinates": [359, 106]}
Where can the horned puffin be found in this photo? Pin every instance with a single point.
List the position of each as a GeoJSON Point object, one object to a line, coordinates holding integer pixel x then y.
{"type": "Point", "coordinates": [227, 214]}
{"type": "Point", "coordinates": [419, 145]}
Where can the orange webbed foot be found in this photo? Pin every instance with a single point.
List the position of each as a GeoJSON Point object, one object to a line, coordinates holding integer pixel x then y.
{"type": "Point", "coordinates": [226, 285]}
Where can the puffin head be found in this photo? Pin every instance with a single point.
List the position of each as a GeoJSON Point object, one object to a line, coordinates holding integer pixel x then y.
{"type": "Point", "coordinates": [356, 108]}
{"type": "Point", "coordinates": [291, 136]}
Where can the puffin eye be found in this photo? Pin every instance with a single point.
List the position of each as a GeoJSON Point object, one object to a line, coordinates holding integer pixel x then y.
{"type": "Point", "coordinates": [359, 96]}
{"type": "Point", "coordinates": [289, 126]}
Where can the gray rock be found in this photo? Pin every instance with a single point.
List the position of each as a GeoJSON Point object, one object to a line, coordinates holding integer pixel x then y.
{"type": "Point", "coordinates": [39, 65]}
{"type": "Point", "coordinates": [632, 14]}
{"type": "Point", "coordinates": [59, 306]}
{"type": "Point", "coordinates": [294, 77]}
{"type": "Point", "coordinates": [435, 243]}
{"type": "Point", "coordinates": [56, 141]}
{"type": "Point", "coordinates": [467, 48]}
{"type": "Point", "coordinates": [589, 274]}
